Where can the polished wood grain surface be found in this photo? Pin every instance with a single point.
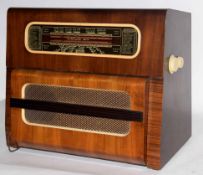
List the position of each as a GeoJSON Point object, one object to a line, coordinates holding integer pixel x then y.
{"type": "Point", "coordinates": [130, 148]}
{"type": "Point", "coordinates": [149, 62]}
{"type": "Point", "coordinates": [8, 110]}
{"type": "Point", "coordinates": [154, 124]}
{"type": "Point", "coordinates": [164, 99]}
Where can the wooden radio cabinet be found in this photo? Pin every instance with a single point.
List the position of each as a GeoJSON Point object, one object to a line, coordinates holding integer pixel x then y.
{"type": "Point", "coordinates": [110, 84]}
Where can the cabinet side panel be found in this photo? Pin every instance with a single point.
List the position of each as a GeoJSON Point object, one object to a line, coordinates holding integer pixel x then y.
{"type": "Point", "coordinates": [176, 124]}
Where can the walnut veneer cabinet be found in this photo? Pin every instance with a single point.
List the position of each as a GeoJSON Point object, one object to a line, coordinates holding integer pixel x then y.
{"type": "Point", "coordinates": [110, 84]}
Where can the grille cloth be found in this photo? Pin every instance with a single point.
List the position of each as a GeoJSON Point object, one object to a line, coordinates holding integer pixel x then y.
{"type": "Point", "coordinates": [83, 96]}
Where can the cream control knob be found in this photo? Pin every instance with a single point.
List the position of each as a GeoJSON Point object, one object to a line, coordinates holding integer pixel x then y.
{"type": "Point", "coordinates": [175, 63]}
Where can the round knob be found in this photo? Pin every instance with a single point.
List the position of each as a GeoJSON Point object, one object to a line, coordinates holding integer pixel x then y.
{"type": "Point", "coordinates": [175, 63]}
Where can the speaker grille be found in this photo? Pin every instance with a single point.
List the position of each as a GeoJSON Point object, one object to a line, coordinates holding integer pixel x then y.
{"type": "Point", "coordinates": [81, 96]}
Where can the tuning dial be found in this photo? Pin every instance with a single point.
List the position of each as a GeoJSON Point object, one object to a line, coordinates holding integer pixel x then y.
{"type": "Point", "coordinates": [175, 63]}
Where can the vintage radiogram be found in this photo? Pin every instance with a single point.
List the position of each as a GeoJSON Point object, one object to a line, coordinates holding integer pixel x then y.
{"type": "Point", "coordinates": [109, 84]}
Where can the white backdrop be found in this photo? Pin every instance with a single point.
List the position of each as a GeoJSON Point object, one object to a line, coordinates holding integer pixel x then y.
{"type": "Point", "coordinates": [189, 159]}
{"type": "Point", "coordinates": [186, 5]}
